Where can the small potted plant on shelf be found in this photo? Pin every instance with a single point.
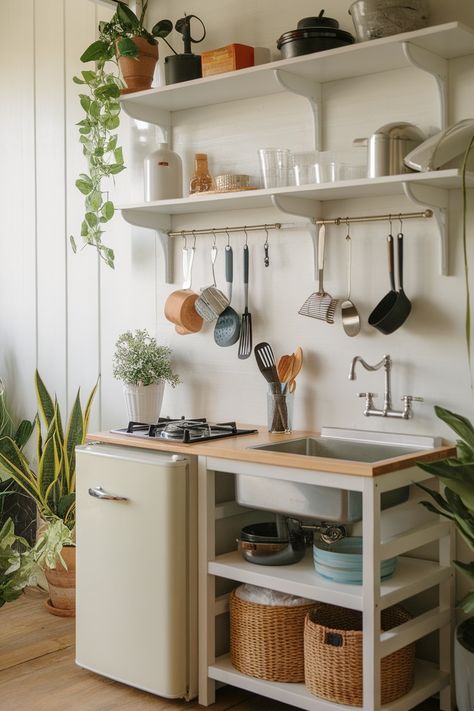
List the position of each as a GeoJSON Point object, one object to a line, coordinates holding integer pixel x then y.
{"type": "Point", "coordinates": [123, 43]}
{"type": "Point", "coordinates": [457, 504]}
{"type": "Point", "coordinates": [53, 488]}
{"type": "Point", "coordinates": [144, 367]}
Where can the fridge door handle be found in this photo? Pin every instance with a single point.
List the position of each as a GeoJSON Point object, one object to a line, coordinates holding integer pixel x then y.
{"type": "Point", "coordinates": [99, 493]}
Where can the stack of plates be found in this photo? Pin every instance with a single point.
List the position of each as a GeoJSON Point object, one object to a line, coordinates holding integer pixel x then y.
{"type": "Point", "coordinates": [342, 561]}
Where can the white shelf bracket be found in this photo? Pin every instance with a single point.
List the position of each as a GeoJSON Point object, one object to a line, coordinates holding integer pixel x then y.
{"type": "Point", "coordinates": [160, 224]}
{"type": "Point", "coordinates": [437, 67]}
{"type": "Point", "coordinates": [311, 90]}
{"type": "Point", "coordinates": [437, 200]}
{"type": "Point", "coordinates": [301, 208]}
{"type": "Point", "coordinates": [143, 112]}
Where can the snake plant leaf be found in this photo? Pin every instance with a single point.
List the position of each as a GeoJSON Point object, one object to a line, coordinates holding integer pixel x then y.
{"type": "Point", "coordinates": [45, 402]}
{"type": "Point", "coordinates": [23, 433]}
{"type": "Point", "coordinates": [64, 505]}
{"type": "Point", "coordinates": [459, 424]}
{"type": "Point", "coordinates": [16, 464]}
{"type": "Point", "coordinates": [74, 433]}
{"type": "Point", "coordinates": [88, 407]}
{"type": "Point", "coordinates": [48, 471]}
{"type": "Point", "coordinates": [456, 504]}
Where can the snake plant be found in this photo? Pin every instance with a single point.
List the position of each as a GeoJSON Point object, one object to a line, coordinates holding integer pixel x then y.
{"type": "Point", "coordinates": [53, 484]}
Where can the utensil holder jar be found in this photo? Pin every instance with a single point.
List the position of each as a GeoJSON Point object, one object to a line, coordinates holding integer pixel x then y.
{"type": "Point", "coordinates": [279, 410]}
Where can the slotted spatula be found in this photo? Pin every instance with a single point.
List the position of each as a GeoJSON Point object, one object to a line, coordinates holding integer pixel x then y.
{"type": "Point", "coordinates": [266, 362]}
{"type": "Point", "coordinates": [245, 343]}
{"type": "Point", "coordinates": [320, 304]}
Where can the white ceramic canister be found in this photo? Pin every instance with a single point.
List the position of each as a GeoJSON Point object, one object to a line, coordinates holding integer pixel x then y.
{"type": "Point", "coordinates": [163, 174]}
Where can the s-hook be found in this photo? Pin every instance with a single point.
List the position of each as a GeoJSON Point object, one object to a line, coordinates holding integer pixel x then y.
{"type": "Point", "coordinates": [266, 259]}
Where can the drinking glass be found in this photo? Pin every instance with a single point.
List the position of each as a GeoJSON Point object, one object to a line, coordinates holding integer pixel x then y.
{"type": "Point", "coordinates": [279, 411]}
{"type": "Point", "coordinates": [274, 165]}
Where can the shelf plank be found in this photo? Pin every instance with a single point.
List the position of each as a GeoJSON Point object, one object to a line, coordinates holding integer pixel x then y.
{"type": "Point", "coordinates": [449, 40]}
{"type": "Point", "coordinates": [342, 190]}
{"type": "Point", "coordinates": [428, 681]}
{"type": "Point", "coordinates": [412, 575]}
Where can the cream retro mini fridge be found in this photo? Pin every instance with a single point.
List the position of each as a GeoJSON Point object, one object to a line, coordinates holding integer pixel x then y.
{"type": "Point", "coordinates": [136, 617]}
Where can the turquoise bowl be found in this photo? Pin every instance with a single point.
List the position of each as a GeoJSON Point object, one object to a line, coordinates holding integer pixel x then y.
{"type": "Point", "coordinates": [342, 561]}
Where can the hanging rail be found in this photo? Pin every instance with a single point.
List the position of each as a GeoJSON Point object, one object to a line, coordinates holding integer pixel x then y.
{"type": "Point", "coordinates": [278, 225]}
{"type": "Point", "coordinates": [376, 218]}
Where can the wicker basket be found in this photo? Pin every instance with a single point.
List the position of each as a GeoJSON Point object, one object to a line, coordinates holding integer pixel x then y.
{"type": "Point", "coordinates": [266, 641]}
{"type": "Point", "coordinates": [333, 656]}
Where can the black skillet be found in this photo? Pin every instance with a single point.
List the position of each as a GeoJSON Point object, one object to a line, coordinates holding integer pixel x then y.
{"type": "Point", "coordinates": [393, 310]}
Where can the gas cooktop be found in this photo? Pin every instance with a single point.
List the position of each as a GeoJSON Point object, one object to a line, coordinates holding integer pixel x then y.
{"type": "Point", "coordinates": [183, 430]}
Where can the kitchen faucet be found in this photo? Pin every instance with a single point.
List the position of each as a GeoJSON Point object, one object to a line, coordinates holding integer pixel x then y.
{"type": "Point", "coordinates": [387, 410]}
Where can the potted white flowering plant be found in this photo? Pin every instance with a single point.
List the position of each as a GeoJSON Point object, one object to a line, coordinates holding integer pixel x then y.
{"type": "Point", "coordinates": [144, 367]}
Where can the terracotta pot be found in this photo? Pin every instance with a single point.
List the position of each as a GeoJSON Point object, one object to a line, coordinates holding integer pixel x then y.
{"type": "Point", "coordinates": [179, 309]}
{"type": "Point", "coordinates": [137, 72]}
{"type": "Point", "coordinates": [62, 585]}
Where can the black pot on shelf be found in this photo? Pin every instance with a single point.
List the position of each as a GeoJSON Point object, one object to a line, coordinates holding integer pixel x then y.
{"type": "Point", "coordinates": [313, 34]}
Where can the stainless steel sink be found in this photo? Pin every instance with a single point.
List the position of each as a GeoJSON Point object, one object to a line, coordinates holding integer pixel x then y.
{"type": "Point", "coordinates": [338, 449]}
{"type": "Point", "coordinates": [321, 503]}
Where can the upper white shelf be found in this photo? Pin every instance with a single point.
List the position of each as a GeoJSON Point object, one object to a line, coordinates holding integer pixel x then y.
{"type": "Point", "coordinates": [448, 41]}
{"type": "Point", "coordinates": [342, 190]}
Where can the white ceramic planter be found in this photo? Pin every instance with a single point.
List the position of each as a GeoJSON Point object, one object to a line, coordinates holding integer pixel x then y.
{"type": "Point", "coordinates": [144, 401]}
{"type": "Point", "coordinates": [464, 674]}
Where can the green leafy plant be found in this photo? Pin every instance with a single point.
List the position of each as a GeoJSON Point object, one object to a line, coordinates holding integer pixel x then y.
{"type": "Point", "coordinates": [20, 434]}
{"type": "Point", "coordinates": [54, 535]}
{"type": "Point", "coordinates": [53, 484]}
{"type": "Point", "coordinates": [102, 118]}
{"type": "Point", "coordinates": [17, 564]}
{"type": "Point", "coordinates": [457, 501]}
{"type": "Point", "coordinates": [139, 360]}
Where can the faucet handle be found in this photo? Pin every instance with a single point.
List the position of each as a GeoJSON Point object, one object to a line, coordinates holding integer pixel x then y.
{"type": "Point", "coordinates": [411, 398]}
{"type": "Point", "coordinates": [367, 395]}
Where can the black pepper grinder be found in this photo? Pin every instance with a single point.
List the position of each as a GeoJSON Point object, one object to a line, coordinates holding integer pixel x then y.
{"type": "Point", "coordinates": [183, 67]}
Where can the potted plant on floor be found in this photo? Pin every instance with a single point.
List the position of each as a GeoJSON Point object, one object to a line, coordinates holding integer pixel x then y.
{"type": "Point", "coordinates": [457, 504]}
{"type": "Point", "coordinates": [123, 42]}
{"type": "Point", "coordinates": [52, 485]}
{"type": "Point", "coordinates": [144, 367]}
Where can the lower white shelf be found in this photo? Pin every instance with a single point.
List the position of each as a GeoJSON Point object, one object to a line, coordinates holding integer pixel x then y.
{"type": "Point", "coordinates": [428, 681]}
{"type": "Point", "coordinates": [411, 577]}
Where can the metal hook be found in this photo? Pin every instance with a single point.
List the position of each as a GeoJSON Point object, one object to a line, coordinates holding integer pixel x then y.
{"type": "Point", "coordinates": [228, 237]}
{"type": "Point", "coordinates": [185, 240]}
{"type": "Point", "coordinates": [194, 235]}
{"type": "Point", "coordinates": [246, 235]}
{"type": "Point", "coordinates": [390, 223]}
{"type": "Point", "coordinates": [266, 259]}
{"type": "Point", "coordinates": [348, 228]}
{"type": "Point", "coordinates": [213, 238]}
{"type": "Point", "coordinates": [401, 221]}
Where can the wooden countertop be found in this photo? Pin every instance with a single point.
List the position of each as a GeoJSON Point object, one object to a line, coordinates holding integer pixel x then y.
{"type": "Point", "coordinates": [240, 449]}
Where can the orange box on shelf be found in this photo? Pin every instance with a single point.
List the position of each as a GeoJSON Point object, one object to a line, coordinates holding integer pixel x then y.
{"type": "Point", "coordinates": [226, 59]}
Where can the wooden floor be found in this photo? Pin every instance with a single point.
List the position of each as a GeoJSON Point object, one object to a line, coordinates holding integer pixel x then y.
{"type": "Point", "coordinates": [37, 671]}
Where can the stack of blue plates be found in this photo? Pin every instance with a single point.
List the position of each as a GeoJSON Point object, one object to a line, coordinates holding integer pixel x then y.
{"type": "Point", "coordinates": [342, 561]}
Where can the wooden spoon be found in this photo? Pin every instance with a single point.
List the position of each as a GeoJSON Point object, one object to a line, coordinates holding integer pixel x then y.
{"type": "Point", "coordinates": [297, 364]}
{"type": "Point", "coordinates": [285, 368]}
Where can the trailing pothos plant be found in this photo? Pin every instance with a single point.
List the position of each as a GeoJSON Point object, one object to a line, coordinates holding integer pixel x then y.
{"type": "Point", "coordinates": [102, 110]}
{"type": "Point", "coordinates": [53, 484]}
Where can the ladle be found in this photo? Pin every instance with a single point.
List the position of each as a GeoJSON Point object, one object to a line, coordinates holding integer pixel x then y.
{"type": "Point", "coordinates": [349, 313]}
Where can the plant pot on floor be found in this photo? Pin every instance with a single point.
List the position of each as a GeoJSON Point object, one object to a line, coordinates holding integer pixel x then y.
{"type": "Point", "coordinates": [138, 72]}
{"type": "Point", "coordinates": [62, 585]}
{"type": "Point", "coordinates": [144, 401]}
{"type": "Point", "coordinates": [464, 665]}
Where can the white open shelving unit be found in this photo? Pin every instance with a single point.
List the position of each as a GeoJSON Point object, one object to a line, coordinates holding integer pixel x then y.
{"type": "Point", "coordinates": [428, 50]}
{"type": "Point", "coordinates": [412, 576]}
